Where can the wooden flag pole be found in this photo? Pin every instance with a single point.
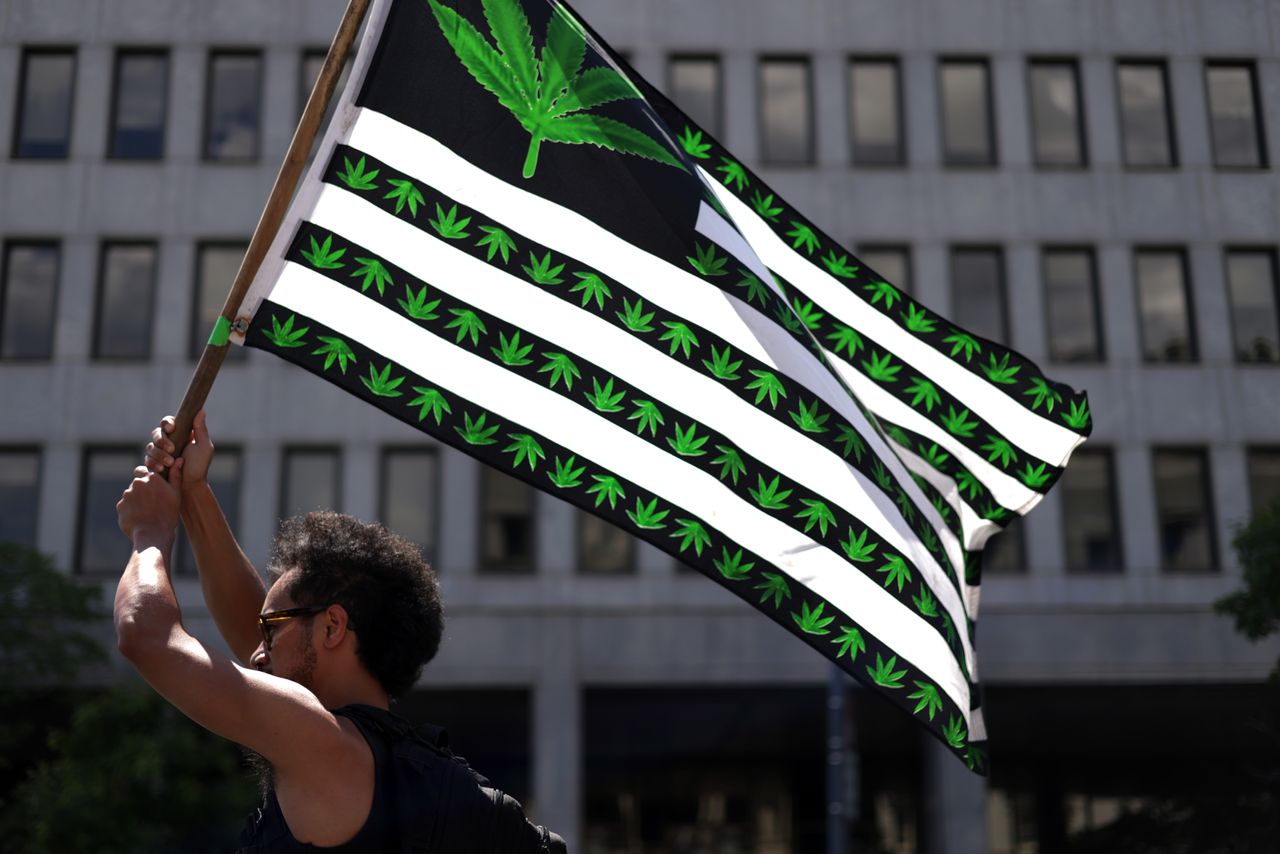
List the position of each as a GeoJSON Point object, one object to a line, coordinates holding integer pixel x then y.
{"type": "Point", "coordinates": [273, 212]}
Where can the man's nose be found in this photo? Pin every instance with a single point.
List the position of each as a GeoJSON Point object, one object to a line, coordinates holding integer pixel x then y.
{"type": "Point", "coordinates": [260, 657]}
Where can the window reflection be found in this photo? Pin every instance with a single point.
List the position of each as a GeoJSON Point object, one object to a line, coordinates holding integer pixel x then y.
{"type": "Point", "coordinates": [695, 89]}
{"type": "Point", "coordinates": [977, 293]}
{"type": "Point", "coordinates": [1071, 300]}
{"type": "Point", "coordinates": [1167, 333]}
{"type": "Point", "coordinates": [1089, 526]}
{"type": "Point", "coordinates": [1144, 115]}
{"type": "Point", "coordinates": [137, 126]}
{"type": "Point", "coordinates": [1237, 138]}
{"type": "Point", "coordinates": [408, 499]}
{"type": "Point", "coordinates": [1264, 478]}
{"type": "Point", "coordinates": [216, 268]}
{"type": "Point", "coordinates": [28, 300]}
{"type": "Point", "coordinates": [507, 523]}
{"type": "Point", "coordinates": [1255, 319]}
{"type": "Point", "coordinates": [311, 479]}
{"type": "Point", "coordinates": [875, 112]}
{"type": "Point", "coordinates": [603, 548]}
{"type": "Point", "coordinates": [785, 112]}
{"type": "Point", "coordinates": [1055, 114]}
{"type": "Point", "coordinates": [233, 111]}
{"type": "Point", "coordinates": [19, 495]}
{"type": "Point", "coordinates": [224, 479]}
{"type": "Point", "coordinates": [102, 548]}
{"type": "Point", "coordinates": [967, 127]}
{"type": "Point", "coordinates": [1183, 510]}
{"type": "Point", "coordinates": [45, 106]}
{"type": "Point", "coordinates": [125, 296]}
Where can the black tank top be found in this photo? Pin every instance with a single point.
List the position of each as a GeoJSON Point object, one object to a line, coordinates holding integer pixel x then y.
{"type": "Point", "coordinates": [267, 833]}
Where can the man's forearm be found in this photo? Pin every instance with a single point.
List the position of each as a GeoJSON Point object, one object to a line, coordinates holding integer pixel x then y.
{"type": "Point", "coordinates": [146, 609]}
{"type": "Point", "coordinates": [232, 588]}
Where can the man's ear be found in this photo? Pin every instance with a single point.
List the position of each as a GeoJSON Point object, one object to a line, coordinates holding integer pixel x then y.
{"type": "Point", "coordinates": [336, 621]}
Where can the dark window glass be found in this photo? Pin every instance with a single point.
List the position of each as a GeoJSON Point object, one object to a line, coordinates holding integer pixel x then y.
{"type": "Point", "coordinates": [126, 290]}
{"type": "Point", "coordinates": [1233, 116]}
{"type": "Point", "coordinates": [695, 88]}
{"type": "Point", "coordinates": [875, 112]}
{"type": "Point", "coordinates": [28, 300]}
{"type": "Point", "coordinates": [1163, 300]}
{"type": "Point", "coordinates": [1264, 477]}
{"type": "Point", "coordinates": [311, 480]}
{"type": "Point", "coordinates": [107, 471]}
{"type": "Point", "coordinates": [977, 293]}
{"type": "Point", "coordinates": [43, 127]}
{"type": "Point", "coordinates": [1251, 284]}
{"type": "Point", "coordinates": [216, 268]}
{"type": "Point", "coordinates": [1090, 529]}
{"type": "Point", "coordinates": [786, 112]}
{"type": "Point", "coordinates": [1006, 552]}
{"type": "Point", "coordinates": [968, 129]}
{"type": "Point", "coordinates": [224, 479]}
{"type": "Point", "coordinates": [1071, 302]}
{"type": "Point", "coordinates": [410, 482]}
{"type": "Point", "coordinates": [312, 63]}
{"type": "Point", "coordinates": [137, 122]}
{"type": "Point", "coordinates": [891, 263]}
{"type": "Point", "coordinates": [603, 548]}
{"type": "Point", "coordinates": [19, 495]}
{"type": "Point", "coordinates": [234, 109]}
{"type": "Point", "coordinates": [1146, 126]}
{"type": "Point", "coordinates": [1056, 125]}
{"type": "Point", "coordinates": [1184, 511]}
{"type": "Point", "coordinates": [506, 523]}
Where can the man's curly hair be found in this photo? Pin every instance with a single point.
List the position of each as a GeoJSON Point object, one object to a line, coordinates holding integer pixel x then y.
{"type": "Point", "coordinates": [389, 591]}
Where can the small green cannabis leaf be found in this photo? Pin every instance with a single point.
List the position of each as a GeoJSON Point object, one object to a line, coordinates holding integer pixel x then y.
{"type": "Point", "coordinates": [958, 423]}
{"type": "Point", "coordinates": [999, 449]}
{"type": "Point", "coordinates": [405, 193]}
{"type": "Point", "coordinates": [731, 566]}
{"type": "Point", "coordinates": [845, 340]}
{"type": "Point", "coordinates": [634, 316]}
{"type": "Point", "coordinates": [707, 262]}
{"type": "Point", "coordinates": [933, 455]}
{"type": "Point", "coordinates": [730, 462]}
{"type": "Point", "coordinates": [816, 512]}
{"type": "Point", "coordinates": [850, 641]}
{"type": "Point", "coordinates": [691, 141]}
{"type": "Point", "coordinates": [541, 271]}
{"type": "Point", "coordinates": [808, 419]}
{"type": "Point", "coordinates": [432, 401]}
{"type": "Point", "coordinates": [852, 443]}
{"type": "Point", "coordinates": [802, 237]}
{"type": "Point", "coordinates": [966, 483]}
{"type": "Point", "coordinates": [928, 697]}
{"type": "Point", "coordinates": [356, 178]}
{"type": "Point", "coordinates": [498, 242]}
{"type": "Point", "coordinates": [448, 226]}
{"type": "Point", "coordinates": [975, 758]}
{"type": "Point", "coordinates": [787, 318]}
{"type": "Point", "coordinates": [857, 548]}
{"type": "Point", "coordinates": [468, 324]}
{"type": "Point", "coordinates": [1043, 394]}
{"type": "Point", "coordinates": [607, 488]}
{"type": "Point", "coordinates": [962, 341]}
{"type": "Point", "coordinates": [526, 449]}
{"type": "Point", "coordinates": [691, 533]}
{"type": "Point", "coordinates": [566, 476]}
{"type": "Point", "coordinates": [733, 173]}
{"type": "Point", "coordinates": [923, 391]}
{"type": "Point", "coordinates": [374, 274]}
{"type": "Point", "coordinates": [720, 364]}
{"type": "Point", "coordinates": [592, 287]}
{"type": "Point", "coordinates": [334, 350]}
{"type": "Point", "coordinates": [648, 415]}
{"type": "Point", "coordinates": [648, 516]}
{"type": "Point", "coordinates": [775, 587]}
{"type": "Point", "coordinates": [680, 336]}
{"type": "Point", "coordinates": [839, 265]}
{"type": "Point", "coordinates": [955, 733]}
{"type": "Point", "coordinates": [286, 335]}
{"type": "Point", "coordinates": [767, 495]}
{"type": "Point", "coordinates": [756, 289]}
{"type": "Point", "coordinates": [925, 603]}
{"type": "Point", "coordinates": [1035, 477]}
{"type": "Point", "coordinates": [883, 673]}
{"type": "Point", "coordinates": [688, 443]}
{"type": "Point", "coordinates": [885, 291]}
{"type": "Point", "coordinates": [510, 353]}
{"type": "Point", "coordinates": [881, 475]}
{"type": "Point", "coordinates": [417, 306]}
{"type": "Point", "coordinates": [811, 622]}
{"type": "Point", "coordinates": [808, 314]}
{"type": "Point", "coordinates": [881, 367]}
{"type": "Point", "coordinates": [896, 570]}
{"type": "Point", "coordinates": [381, 384]}
{"type": "Point", "coordinates": [323, 256]}
{"type": "Point", "coordinates": [764, 206]}
{"type": "Point", "coordinates": [475, 432]}
{"type": "Point", "coordinates": [561, 367]}
{"type": "Point", "coordinates": [1078, 417]}
{"type": "Point", "coordinates": [1000, 372]}
{"type": "Point", "coordinates": [917, 319]}
{"type": "Point", "coordinates": [604, 398]}
{"type": "Point", "coordinates": [551, 96]}
{"type": "Point", "coordinates": [767, 384]}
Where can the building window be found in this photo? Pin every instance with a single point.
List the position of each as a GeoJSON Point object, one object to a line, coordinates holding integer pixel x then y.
{"type": "Point", "coordinates": [1184, 510]}
{"type": "Point", "coordinates": [506, 523]}
{"type": "Point", "coordinates": [1090, 528]}
{"type": "Point", "coordinates": [233, 107]}
{"type": "Point", "coordinates": [875, 112]}
{"type": "Point", "coordinates": [1071, 305]}
{"type": "Point", "coordinates": [224, 479]}
{"type": "Point", "coordinates": [1163, 301]}
{"type": "Point", "coordinates": [1264, 477]}
{"type": "Point", "coordinates": [786, 112]}
{"type": "Point", "coordinates": [216, 268]}
{"type": "Point", "coordinates": [28, 299]}
{"type": "Point", "coordinates": [1145, 122]}
{"type": "Point", "coordinates": [695, 86]}
{"type": "Point", "coordinates": [407, 500]}
{"type": "Point", "coordinates": [311, 480]}
{"type": "Point", "coordinates": [1006, 552]}
{"type": "Point", "coordinates": [19, 495]}
{"type": "Point", "coordinates": [1255, 319]}
{"type": "Point", "coordinates": [43, 125]}
{"type": "Point", "coordinates": [1057, 125]}
{"type": "Point", "coordinates": [126, 291]}
{"type": "Point", "coordinates": [138, 113]}
{"type": "Point", "coordinates": [101, 548]}
{"type": "Point", "coordinates": [890, 262]}
{"type": "Point", "coordinates": [1238, 141]}
{"type": "Point", "coordinates": [968, 124]}
{"type": "Point", "coordinates": [603, 548]}
{"type": "Point", "coordinates": [977, 292]}
{"type": "Point", "coordinates": [312, 62]}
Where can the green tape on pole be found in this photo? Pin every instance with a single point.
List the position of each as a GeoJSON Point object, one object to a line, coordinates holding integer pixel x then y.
{"type": "Point", "coordinates": [221, 333]}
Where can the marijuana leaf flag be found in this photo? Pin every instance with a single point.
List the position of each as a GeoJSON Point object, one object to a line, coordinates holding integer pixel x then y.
{"type": "Point", "coordinates": [512, 242]}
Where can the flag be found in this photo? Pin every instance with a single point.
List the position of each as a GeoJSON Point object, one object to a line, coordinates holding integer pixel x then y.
{"type": "Point", "coordinates": [512, 242]}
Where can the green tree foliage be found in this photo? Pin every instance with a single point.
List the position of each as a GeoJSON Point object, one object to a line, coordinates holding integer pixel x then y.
{"type": "Point", "coordinates": [1256, 607]}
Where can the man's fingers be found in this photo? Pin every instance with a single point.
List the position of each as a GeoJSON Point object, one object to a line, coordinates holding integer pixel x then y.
{"type": "Point", "coordinates": [141, 472]}
{"type": "Point", "coordinates": [175, 474]}
{"type": "Point", "coordinates": [157, 459]}
{"type": "Point", "coordinates": [200, 427]}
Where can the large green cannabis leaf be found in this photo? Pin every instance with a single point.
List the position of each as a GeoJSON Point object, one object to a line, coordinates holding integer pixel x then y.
{"type": "Point", "coordinates": [551, 96]}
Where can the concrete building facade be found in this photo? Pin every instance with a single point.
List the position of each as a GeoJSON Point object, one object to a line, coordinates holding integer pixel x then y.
{"type": "Point", "coordinates": [600, 670]}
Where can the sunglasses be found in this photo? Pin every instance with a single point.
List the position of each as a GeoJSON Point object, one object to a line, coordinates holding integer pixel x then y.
{"type": "Point", "coordinates": [272, 620]}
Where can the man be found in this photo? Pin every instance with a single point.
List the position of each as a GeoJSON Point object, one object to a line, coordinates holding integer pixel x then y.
{"type": "Point", "coordinates": [352, 617]}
